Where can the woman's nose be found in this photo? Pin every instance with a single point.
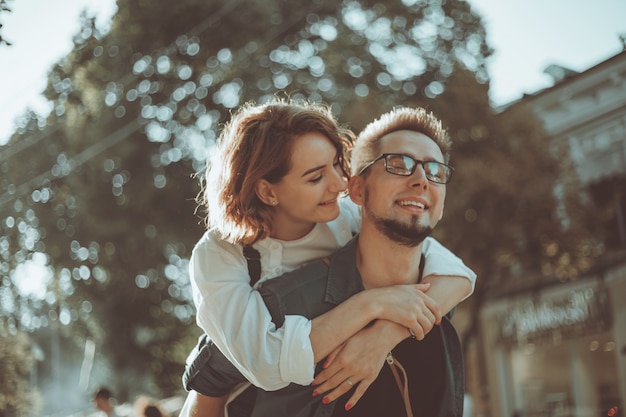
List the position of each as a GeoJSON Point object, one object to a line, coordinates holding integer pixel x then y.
{"type": "Point", "coordinates": [339, 181]}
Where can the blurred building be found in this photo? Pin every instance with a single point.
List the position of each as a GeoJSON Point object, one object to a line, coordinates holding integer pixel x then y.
{"type": "Point", "coordinates": [555, 347]}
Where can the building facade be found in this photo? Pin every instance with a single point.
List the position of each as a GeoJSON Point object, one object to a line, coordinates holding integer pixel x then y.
{"type": "Point", "coordinates": [558, 348]}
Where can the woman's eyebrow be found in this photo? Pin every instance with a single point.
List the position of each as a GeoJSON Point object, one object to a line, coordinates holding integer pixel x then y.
{"type": "Point", "coordinates": [308, 171]}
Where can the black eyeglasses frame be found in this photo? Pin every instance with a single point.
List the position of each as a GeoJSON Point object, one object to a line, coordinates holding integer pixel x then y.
{"type": "Point", "coordinates": [448, 170]}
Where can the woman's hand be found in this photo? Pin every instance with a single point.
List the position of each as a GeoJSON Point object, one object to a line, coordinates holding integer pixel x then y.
{"type": "Point", "coordinates": [407, 305]}
{"type": "Point", "coordinates": [357, 362]}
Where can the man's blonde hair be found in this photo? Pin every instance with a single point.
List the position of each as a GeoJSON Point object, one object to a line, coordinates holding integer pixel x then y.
{"type": "Point", "coordinates": [367, 145]}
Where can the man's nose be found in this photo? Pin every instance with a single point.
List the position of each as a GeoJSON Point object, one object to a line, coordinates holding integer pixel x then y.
{"type": "Point", "coordinates": [418, 178]}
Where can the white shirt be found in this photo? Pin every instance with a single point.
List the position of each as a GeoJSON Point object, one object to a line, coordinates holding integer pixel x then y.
{"type": "Point", "coordinates": [235, 317]}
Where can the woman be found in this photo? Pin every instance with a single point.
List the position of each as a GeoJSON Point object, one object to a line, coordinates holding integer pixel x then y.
{"type": "Point", "coordinates": [275, 183]}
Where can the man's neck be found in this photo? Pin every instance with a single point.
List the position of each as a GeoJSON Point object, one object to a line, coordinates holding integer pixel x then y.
{"type": "Point", "coordinates": [382, 262]}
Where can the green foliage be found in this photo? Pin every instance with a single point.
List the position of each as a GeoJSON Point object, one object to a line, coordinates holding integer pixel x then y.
{"type": "Point", "coordinates": [17, 398]}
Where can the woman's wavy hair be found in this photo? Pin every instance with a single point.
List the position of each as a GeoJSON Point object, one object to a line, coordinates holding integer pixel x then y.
{"type": "Point", "coordinates": [257, 144]}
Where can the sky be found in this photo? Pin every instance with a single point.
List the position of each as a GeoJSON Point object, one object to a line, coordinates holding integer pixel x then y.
{"type": "Point", "coordinates": [41, 33]}
{"type": "Point", "coordinates": [526, 35]}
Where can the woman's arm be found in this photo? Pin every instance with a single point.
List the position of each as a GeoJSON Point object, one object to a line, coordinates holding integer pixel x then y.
{"type": "Point", "coordinates": [407, 305]}
{"type": "Point", "coordinates": [360, 359]}
{"type": "Point", "coordinates": [237, 320]}
{"type": "Point", "coordinates": [440, 261]}
{"type": "Point", "coordinates": [448, 291]}
{"type": "Point", "coordinates": [362, 356]}
{"type": "Point", "coordinates": [450, 283]}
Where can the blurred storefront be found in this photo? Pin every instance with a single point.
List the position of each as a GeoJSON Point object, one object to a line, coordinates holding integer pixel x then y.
{"type": "Point", "coordinates": [559, 350]}
{"type": "Point", "coordinates": [553, 347]}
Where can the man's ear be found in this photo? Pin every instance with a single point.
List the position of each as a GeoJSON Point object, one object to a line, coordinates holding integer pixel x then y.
{"type": "Point", "coordinates": [265, 192]}
{"type": "Point", "coordinates": [356, 190]}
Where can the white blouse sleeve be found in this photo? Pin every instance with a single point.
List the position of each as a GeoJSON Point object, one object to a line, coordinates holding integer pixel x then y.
{"type": "Point", "coordinates": [237, 320]}
{"type": "Point", "coordinates": [440, 261]}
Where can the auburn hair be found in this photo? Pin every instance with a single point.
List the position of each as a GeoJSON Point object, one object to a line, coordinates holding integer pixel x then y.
{"type": "Point", "coordinates": [257, 144]}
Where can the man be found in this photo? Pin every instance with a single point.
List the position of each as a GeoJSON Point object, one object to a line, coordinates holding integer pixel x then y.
{"type": "Point", "coordinates": [399, 166]}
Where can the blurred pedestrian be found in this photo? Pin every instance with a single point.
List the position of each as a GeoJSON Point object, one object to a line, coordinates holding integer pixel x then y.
{"type": "Point", "coordinates": [148, 407]}
{"type": "Point", "coordinates": [152, 411]}
{"type": "Point", "coordinates": [105, 402]}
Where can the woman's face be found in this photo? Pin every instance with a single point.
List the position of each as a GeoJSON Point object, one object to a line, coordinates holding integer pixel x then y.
{"type": "Point", "coordinates": [308, 193]}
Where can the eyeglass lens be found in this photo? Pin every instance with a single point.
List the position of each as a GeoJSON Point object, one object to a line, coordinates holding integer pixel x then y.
{"type": "Point", "coordinates": [404, 165]}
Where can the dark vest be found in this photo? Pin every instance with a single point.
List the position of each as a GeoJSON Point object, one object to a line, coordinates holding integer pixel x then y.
{"type": "Point", "coordinates": [317, 288]}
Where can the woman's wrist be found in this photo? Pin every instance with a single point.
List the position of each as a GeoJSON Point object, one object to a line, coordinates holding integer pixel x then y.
{"type": "Point", "coordinates": [391, 331]}
{"type": "Point", "coordinates": [369, 305]}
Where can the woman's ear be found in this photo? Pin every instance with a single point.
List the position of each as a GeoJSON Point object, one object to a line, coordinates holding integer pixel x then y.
{"type": "Point", "coordinates": [265, 192]}
{"type": "Point", "coordinates": [356, 190]}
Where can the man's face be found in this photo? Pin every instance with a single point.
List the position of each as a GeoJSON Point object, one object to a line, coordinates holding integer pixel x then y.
{"type": "Point", "coordinates": [403, 208]}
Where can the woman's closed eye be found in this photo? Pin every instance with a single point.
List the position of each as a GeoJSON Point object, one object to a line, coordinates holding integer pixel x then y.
{"type": "Point", "coordinates": [316, 179]}
{"type": "Point", "coordinates": [320, 176]}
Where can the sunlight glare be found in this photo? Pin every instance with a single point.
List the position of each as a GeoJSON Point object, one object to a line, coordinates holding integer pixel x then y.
{"type": "Point", "coordinates": [32, 277]}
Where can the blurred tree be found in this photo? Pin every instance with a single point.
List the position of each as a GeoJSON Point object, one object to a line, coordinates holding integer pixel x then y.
{"type": "Point", "coordinates": [103, 189]}
{"type": "Point", "coordinates": [509, 212]}
{"type": "Point", "coordinates": [17, 399]}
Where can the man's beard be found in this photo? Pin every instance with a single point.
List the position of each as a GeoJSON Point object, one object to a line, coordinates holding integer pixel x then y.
{"type": "Point", "coordinates": [411, 234]}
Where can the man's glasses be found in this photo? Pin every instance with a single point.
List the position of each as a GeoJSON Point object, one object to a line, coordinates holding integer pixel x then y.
{"type": "Point", "coordinates": [404, 165]}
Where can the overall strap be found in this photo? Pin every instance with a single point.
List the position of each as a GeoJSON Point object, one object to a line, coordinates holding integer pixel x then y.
{"type": "Point", "coordinates": [254, 263]}
{"type": "Point", "coordinates": [401, 381]}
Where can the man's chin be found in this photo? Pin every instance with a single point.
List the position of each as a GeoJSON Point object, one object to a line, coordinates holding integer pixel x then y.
{"type": "Point", "coordinates": [406, 235]}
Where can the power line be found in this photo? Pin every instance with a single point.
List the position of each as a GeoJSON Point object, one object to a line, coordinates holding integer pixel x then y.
{"type": "Point", "coordinates": [207, 23]}
{"type": "Point", "coordinates": [110, 140]}
{"type": "Point", "coordinates": [26, 142]}
{"type": "Point", "coordinates": [75, 162]}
